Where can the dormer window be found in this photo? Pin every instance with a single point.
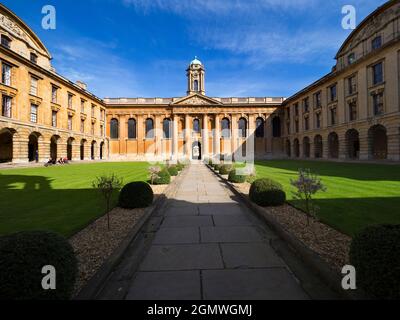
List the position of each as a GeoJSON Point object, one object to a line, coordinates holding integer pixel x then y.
{"type": "Point", "coordinates": [5, 41]}
{"type": "Point", "coordinates": [34, 58]}
{"type": "Point", "coordinates": [377, 43]}
{"type": "Point", "coordinates": [351, 58]}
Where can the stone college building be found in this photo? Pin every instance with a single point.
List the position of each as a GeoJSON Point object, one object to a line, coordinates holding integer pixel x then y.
{"type": "Point", "coordinates": [352, 113]}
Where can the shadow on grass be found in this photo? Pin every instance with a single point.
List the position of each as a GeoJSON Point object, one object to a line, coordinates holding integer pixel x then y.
{"type": "Point", "coordinates": [30, 203]}
{"type": "Point", "coordinates": [356, 171]}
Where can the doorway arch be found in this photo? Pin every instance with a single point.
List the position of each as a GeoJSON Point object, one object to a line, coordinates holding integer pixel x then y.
{"type": "Point", "coordinates": [6, 145]}
{"type": "Point", "coordinates": [53, 147]}
{"type": "Point", "coordinates": [33, 147]}
{"type": "Point", "coordinates": [196, 150]}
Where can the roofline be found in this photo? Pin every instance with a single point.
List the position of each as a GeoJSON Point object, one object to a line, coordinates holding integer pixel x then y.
{"type": "Point", "coordinates": [364, 22]}
{"type": "Point", "coordinates": [30, 31]}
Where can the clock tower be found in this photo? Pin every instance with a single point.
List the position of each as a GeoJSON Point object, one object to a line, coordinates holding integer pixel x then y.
{"type": "Point", "coordinates": [195, 74]}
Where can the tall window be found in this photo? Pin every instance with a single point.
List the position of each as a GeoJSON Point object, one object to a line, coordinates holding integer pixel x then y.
{"type": "Point", "coordinates": [260, 128]}
{"type": "Point", "coordinates": [242, 128]}
{"type": "Point", "coordinates": [167, 128]}
{"type": "Point", "coordinates": [376, 42]}
{"type": "Point", "coordinates": [6, 107]}
{"type": "Point", "coordinates": [226, 128]}
{"type": "Point", "coordinates": [82, 106]}
{"type": "Point", "coordinates": [69, 122]}
{"type": "Point", "coordinates": [92, 129]}
{"type": "Point", "coordinates": [296, 126]}
{"type": "Point", "coordinates": [196, 126]}
{"type": "Point", "coordinates": [34, 86]}
{"type": "Point", "coordinates": [149, 128]}
{"type": "Point", "coordinates": [70, 100]}
{"type": "Point", "coordinates": [296, 109]}
{"type": "Point", "coordinates": [332, 93]}
{"type": "Point", "coordinates": [114, 129]}
{"type": "Point", "coordinates": [93, 110]}
{"type": "Point", "coordinates": [306, 123]}
{"type": "Point", "coordinates": [34, 110]}
{"type": "Point", "coordinates": [54, 90]}
{"type": "Point", "coordinates": [276, 127]}
{"type": "Point", "coordinates": [82, 125]}
{"type": "Point", "coordinates": [333, 116]}
{"type": "Point", "coordinates": [33, 58]}
{"type": "Point", "coordinates": [131, 129]}
{"type": "Point", "coordinates": [353, 111]}
{"type": "Point", "coordinates": [5, 41]}
{"type": "Point", "coordinates": [317, 98]}
{"type": "Point", "coordinates": [101, 130]}
{"type": "Point", "coordinates": [318, 120]}
{"type": "Point", "coordinates": [196, 85]}
{"type": "Point", "coordinates": [306, 104]}
{"type": "Point", "coordinates": [351, 58]}
{"type": "Point", "coordinates": [377, 73]}
{"type": "Point", "coordinates": [352, 85]}
{"type": "Point", "coordinates": [378, 103]}
{"type": "Point", "coordinates": [6, 74]}
{"type": "Point", "coordinates": [54, 118]}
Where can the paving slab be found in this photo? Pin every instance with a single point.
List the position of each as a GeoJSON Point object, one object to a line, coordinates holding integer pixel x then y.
{"type": "Point", "coordinates": [219, 208]}
{"type": "Point", "coordinates": [182, 257]}
{"type": "Point", "coordinates": [231, 220]}
{"type": "Point", "coordinates": [251, 284]}
{"type": "Point", "coordinates": [172, 285]}
{"type": "Point", "coordinates": [189, 210]}
{"type": "Point", "coordinates": [230, 234]}
{"type": "Point", "coordinates": [177, 236]}
{"type": "Point", "coordinates": [187, 221]}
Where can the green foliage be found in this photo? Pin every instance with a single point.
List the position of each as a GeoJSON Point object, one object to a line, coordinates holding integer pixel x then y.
{"type": "Point", "coordinates": [136, 195]}
{"type": "Point", "coordinates": [225, 169]}
{"type": "Point", "coordinates": [236, 178]}
{"type": "Point", "coordinates": [163, 177]}
{"type": "Point", "coordinates": [173, 170]}
{"type": "Point", "coordinates": [217, 166]}
{"type": "Point", "coordinates": [22, 257]}
{"type": "Point", "coordinates": [153, 173]}
{"type": "Point", "coordinates": [375, 254]}
{"type": "Point", "coordinates": [266, 192]}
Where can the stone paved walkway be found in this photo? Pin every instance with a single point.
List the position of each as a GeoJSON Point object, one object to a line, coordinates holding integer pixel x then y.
{"type": "Point", "coordinates": [209, 246]}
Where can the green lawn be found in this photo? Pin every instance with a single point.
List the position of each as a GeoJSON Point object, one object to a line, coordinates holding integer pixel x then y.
{"type": "Point", "coordinates": [357, 195]}
{"type": "Point", "coordinates": [57, 198]}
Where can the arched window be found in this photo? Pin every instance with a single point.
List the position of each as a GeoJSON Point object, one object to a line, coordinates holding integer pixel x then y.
{"type": "Point", "coordinates": [226, 128]}
{"type": "Point", "coordinates": [131, 129]}
{"type": "Point", "coordinates": [260, 128]}
{"type": "Point", "coordinates": [196, 125]}
{"type": "Point", "coordinates": [276, 127]}
{"type": "Point", "coordinates": [114, 129]}
{"type": "Point", "coordinates": [149, 128]}
{"type": "Point", "coordinates": [242, 128]}
{"type": "Point", "coordinates": [196, 85]}
{"type": "Point", "coordinates": [167, 128]}
{"type": "Point", "coordinates": [5, 41]}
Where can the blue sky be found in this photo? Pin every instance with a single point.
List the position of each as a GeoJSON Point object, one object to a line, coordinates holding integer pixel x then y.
{"type": "Point", "coordinates": [131, 48]}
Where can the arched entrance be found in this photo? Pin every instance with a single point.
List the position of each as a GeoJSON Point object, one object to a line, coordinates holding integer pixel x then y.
{"type": "Point", "coordinates": [93, 150]}
{"type": "Point", "coordinates": [377, 142]}
{"type": "Point", "coordinates": [53, 147]}
{"type": "Point", "coordinates": [6, 146]}
{"type": "Point", "coordinates": [306, 147]}
{"type": "Point", "coordinates": [296, 148]}
{"type": "Point", "coordinates": [101, 150]}
{"type": "Point", "coordinates": [82, 150]}
{"type": "Point", "coordinates": [33, 147]}
{"type": "Point", "coordinates": [333, 144]}
{"type": "Point", "coordinates": [196, 150]}
{"type": "Point", "coordinates": [69, 148]}
{"type": "Point", "coordinates": [318, 147]}
{"type": "Point", "coordinates": [353, 144]}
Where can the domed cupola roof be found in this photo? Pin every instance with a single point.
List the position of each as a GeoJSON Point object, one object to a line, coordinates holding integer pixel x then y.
{"type": "Point", "coordinates": [196, 62]}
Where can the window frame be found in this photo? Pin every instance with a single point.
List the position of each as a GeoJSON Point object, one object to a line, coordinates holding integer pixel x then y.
{"type": "Point", "coordinates": [34, 115]}
{"type": "Point", "coordinates": [6, 106]}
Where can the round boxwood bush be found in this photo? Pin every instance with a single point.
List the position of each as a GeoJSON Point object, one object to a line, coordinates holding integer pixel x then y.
{"type": "Point", "coordinates": [236, 178]}
{"type": "Point", "coordinates": [22, 258]}
{"type": "Point", "coordinates": [173, 171]}
{"type": "Point", "coordinates": [375, 254]}
{"type": "Point", "coordinates": [225, 169]}
{"type": "Point", "coordinates": [217, 167]}
{"type": "Point", "coordinates": [267, 193]}
{"type": "Point", "coordinates": [136, 195]}
{"type": "Point", "coordinates": [163, 177]}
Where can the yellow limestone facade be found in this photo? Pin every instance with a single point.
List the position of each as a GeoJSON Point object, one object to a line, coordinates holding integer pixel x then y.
{"type": "Point", "coordinates": [352, 113]}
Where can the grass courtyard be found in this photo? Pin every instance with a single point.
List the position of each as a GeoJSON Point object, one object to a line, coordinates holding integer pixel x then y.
{"type": "Point", "coordinates": [57, 198]}
{"type": "Point", "coordinates": [357, 194]}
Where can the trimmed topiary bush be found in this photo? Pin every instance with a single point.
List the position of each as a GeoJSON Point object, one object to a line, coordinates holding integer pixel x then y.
{"type": "Point", "coordinates": [136, 195]}
{"type": "Point", "coordinates": [217, 167]}
{"type": "Point", "coordinates": [163, 177]}
{"type": "Point", "coordinates": [267, 193]}
{"type": "Point", "coordinates": [173, 170]}
{"type": "Point", "coordinates": [22, 257]}
{"type": "Point", "coordinates": [225, 169]}
{"type": "Point", "coordinates": [375, 253]}
{"type": "Point", "coordinates": [236, 178]}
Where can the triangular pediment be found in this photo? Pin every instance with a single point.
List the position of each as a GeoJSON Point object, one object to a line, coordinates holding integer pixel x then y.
{"type": "Point", "coordinates": [196, 100]}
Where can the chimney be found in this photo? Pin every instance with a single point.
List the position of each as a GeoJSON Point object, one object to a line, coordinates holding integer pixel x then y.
{"type": "Point", "coordinates": [81, 84]}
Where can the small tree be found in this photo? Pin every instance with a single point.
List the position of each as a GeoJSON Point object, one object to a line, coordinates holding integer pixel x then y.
{"type": "Point", "coordinates": [107, 185]}
{"type": "Point", "coordinates": [154, 173]}
{"type": "Point", "coordinates": [307, 185]}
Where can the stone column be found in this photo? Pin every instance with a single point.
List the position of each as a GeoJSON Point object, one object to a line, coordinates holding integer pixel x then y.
{"type": "Point", "coordinates": [312, 149]}
{"type": "Point", "coordinates": [61, 149]}
{"type": "Point", "coordinates": [20, 150]}
{"type": "Point", "coordinates": [217, 139]}
{"type": "Point", "coordinates": [76, 150]}
{"type": "Point", "coordinates": [205, 137]}
{"type": "Point", "coordinates": [157, 135]}
{"type": "Point", "coordinates": [188, 137]}
{"type": "Point", "coordinates": [251, 139]}
{"type": "Point", "coordinates": [175, 138]}
{"type": "Point", "coordinates": [44, 150]}
{"type": "Point", "coordinates": [342, 148]}
{"type": "Point", "coordinates": [364, 144]}
{"type": "Point", "coordinates": [393, 143]}
{"type": "Point", "coordinates": [234, 135]}
{"type": "Point", "coordinates": [140, 136]}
